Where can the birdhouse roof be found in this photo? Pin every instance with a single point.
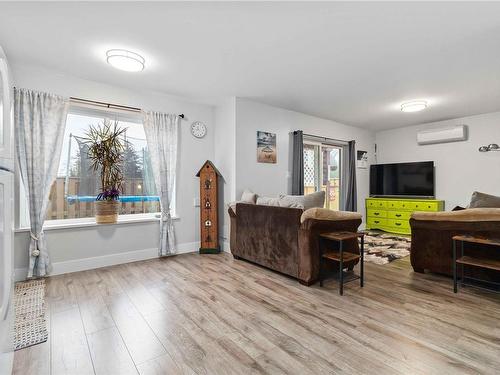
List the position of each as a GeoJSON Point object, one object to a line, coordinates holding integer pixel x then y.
{"type": "Point", "coordinates": [211, 165]}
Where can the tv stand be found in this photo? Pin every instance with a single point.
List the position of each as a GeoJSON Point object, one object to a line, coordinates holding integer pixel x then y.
{"type": "Point", "coordinates": [393, 214]}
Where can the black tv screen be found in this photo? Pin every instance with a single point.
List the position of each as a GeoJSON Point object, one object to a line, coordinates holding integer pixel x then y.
{"type": "Point", "coordinates": [402, 179]}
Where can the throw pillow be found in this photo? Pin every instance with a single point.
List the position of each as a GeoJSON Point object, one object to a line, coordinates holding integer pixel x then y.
{"type": "Point", "coordinates": [267, 201]}
{"type": "Point", "coordinates": [290, 203]}
{"type": "Point", "coordinates": [248, 197]}
{"type": "Point", "coordinates": [482, 200]}
{"type": "Point", "coordinates": [303, 201]}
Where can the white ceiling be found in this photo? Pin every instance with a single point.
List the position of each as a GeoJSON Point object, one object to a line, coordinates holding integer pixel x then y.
{"type": "Point", "coordinates": [349, 62]}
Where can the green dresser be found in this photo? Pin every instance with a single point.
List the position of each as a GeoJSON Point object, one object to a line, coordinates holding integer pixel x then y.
{"type": "Point", "coordinates": [393, 214]}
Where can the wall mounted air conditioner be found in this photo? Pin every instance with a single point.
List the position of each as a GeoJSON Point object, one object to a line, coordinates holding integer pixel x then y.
{"type": "Point", "coordinates": [443, 135]}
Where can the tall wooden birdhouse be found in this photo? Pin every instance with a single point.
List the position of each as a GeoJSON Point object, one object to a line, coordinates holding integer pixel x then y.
{"type": "Point", "coordinates": [209, 220]}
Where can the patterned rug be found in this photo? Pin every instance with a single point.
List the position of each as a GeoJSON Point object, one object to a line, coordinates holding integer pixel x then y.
{"type": "Point", "coordinates": [383, 248]}
{"type": "Point", "coordinates": [30, 324]}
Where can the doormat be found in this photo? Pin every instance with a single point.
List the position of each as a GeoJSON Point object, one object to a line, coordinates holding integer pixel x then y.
{"type": "Point", "coordinates": [383, 248]}
{"type": "Point", "coordinates": [30, 327]}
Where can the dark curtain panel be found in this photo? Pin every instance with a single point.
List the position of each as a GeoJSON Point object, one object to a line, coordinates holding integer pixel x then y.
{"type": "Point", "coordinates": [298, 163]}
{"type": "Point", "coordinates": [351, 195]}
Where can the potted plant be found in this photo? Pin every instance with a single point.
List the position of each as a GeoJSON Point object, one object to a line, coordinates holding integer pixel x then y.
{"type": "Point", "coordinates": [105, 152]}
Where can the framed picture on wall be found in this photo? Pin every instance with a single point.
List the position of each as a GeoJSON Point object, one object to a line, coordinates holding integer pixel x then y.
{"type": "Point", "coordinates": [266, 147]}
{"type": "Point", "coordinates": [362, 159]}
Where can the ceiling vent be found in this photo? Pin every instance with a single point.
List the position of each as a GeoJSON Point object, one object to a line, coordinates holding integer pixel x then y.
{"type": "Point", "coordinates": [443, 135]}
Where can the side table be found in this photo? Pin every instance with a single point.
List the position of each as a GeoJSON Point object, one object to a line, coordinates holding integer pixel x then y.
{"type": "Point", "coordinates": [474, 260]}
{"type": "Point", "coordinates": [341, 256]}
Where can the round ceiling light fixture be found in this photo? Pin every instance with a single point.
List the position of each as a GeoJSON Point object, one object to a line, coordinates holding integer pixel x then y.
{"type": "Point", "coordinates": [414, 106]}
{"type": "Point", "coordinates": [125, 60]}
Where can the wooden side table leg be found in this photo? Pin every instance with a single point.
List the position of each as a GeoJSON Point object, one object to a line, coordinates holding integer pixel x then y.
{"type": "Point", "coordinates": [454, 266]}
{"type": "Point", "coordinates": [341, 267]}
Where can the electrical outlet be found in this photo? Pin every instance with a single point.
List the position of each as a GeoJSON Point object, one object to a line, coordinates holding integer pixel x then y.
{"type": "Point", "coordinates": [196, 202]}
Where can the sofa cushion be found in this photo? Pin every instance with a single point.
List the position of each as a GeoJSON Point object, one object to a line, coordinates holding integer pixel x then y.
{"type": "Point", "coordinates": [232, 205]}
{"type": "Point", "coordinates": [326, 214]}
{"type": "Point", "coordinates": [303, 201]}
{"type": "Point", "coordinates": [248, 197]}
{"type": "Point", "coordinates": [268, 201]}
{"type": "Point", "coordinates": [290, 203]}
{"type": "Point", "coordinates": [482, 200]}
{"type": "Point", "coordinates": [470, 214]}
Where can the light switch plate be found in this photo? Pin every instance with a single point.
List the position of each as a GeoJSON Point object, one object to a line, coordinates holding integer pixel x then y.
{"type": "Point", "coordinates": [196, 202]}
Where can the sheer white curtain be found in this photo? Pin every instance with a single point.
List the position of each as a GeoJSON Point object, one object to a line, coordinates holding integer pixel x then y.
{"type": "Point", "coordinates": [40, 119]}
{"type": "Point", "coordinates": [162, 136]}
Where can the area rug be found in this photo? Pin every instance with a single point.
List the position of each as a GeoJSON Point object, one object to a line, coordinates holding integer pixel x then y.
{"type": "Point", "coordinates": [30, 325]}
{"type": "Point", "coordinates": [383, 248]}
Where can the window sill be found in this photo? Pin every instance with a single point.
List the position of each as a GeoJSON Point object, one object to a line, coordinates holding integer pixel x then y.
{"type": "Point", "coordinates": [90, 222]}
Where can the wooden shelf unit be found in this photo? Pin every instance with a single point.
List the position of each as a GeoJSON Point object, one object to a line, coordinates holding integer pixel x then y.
{"type": "Point", "coordinates": [209, 208]}
{"type": "Point", "coordinates": [473, 260]}
{"type": "Point", "coordinates": [491, 264]}
{"type": "Point", "coordinates": [335, 255]}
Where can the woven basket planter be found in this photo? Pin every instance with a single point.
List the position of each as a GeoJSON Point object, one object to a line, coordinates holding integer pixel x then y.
{"type": "Point", "coordinates": [106, 212]}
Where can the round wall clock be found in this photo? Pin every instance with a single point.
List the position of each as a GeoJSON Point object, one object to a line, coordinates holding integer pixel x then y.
{"type": "Point", "coordinates": [198, 129]}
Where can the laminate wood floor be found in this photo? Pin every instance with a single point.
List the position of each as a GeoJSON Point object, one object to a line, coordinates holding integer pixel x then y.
{"type": "Point", "coordinates": [210, 314]}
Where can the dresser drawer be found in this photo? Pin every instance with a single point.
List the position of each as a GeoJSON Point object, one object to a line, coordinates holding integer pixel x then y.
{"type": "Point", "coordinates": [377, 213]}
{"type": "Point", "coordinates": [420, 206]}
{"type": "Point", "coordinates": [376, 222]}
{"type": "Point", "coordinates": [394, 205]}
{"type": "Point", "coordinates": [406, 205]}
{"type": "Point", "coordinates": [376, 204]}
{"type": "Point", "coordinates": [399, 215]}
{"type": "Point", "coordinates": [429, 206]}
{"type": "Point", "coordinates": [398, 224]}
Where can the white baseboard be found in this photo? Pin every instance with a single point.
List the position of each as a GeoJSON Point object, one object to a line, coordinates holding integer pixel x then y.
{"type": "Point", "coordinates": [83, 264]}
{"type": "Point", "coordinates": [225, 246]}
{"type": "Point", "coordinates": [20, 274]}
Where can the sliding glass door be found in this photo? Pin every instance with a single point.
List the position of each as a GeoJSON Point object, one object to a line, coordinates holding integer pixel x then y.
{"type": "Point", "coordinates": [322, 171]}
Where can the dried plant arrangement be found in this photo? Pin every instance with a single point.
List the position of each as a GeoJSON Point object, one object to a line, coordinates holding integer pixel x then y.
{"type": "Point", "coordinates": [105, 151]}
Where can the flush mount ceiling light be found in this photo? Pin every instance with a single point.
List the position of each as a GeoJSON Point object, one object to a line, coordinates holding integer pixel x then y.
{"type": "Point", "coordinates": [414, 106]}
{"type": "Point", "coordinates": [125, 60]}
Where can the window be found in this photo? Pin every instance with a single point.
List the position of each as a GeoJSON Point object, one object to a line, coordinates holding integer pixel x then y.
{"type": "Point", "coordinates": [76, 186]}
{"type": "Point", "coordinates": [322, 171]}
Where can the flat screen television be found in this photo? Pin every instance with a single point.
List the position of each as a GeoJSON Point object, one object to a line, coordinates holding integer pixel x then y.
{"type": "Point", "coordinates": [402, 179]}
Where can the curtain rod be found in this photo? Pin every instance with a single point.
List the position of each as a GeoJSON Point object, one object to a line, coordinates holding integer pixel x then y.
{"type": "Point", "coordinates": [109, 105]}
{"type": "Point", "coordinates": [323, 138]}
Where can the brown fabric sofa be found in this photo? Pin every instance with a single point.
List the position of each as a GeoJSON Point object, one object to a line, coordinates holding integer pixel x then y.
{"type": "Point", "coordinates": [275, 237]}
{"type": "Point", "coordinates": [431, 245]}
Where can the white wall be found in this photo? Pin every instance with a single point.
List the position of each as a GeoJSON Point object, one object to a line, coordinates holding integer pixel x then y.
{"type": "Point", "coordinates": [68, 245]}
{"type": "Point", "coordinates": [275, 179]}
{"type": "Point", "coordinates": [231, 145]}
{"type": "Point", "coordinates": [225, 160]}
{"type": "Point", "coordinates": [460, 167]}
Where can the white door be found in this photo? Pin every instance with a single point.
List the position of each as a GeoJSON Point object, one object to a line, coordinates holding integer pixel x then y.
{"type": "Point", "coordinates": [322, 172]}
{"type": "Point", "coordinates": [6, 238]}
{"type": "Point", "coordinates": [5, 115]}
{"type": "Point", "coordinates": [6, 272]}
{"type": "Point", "coordinates": [6, 221]}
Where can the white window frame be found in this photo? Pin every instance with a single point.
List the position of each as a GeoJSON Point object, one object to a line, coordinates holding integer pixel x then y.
{"type": "Point", "coordinates": [87, 110]}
